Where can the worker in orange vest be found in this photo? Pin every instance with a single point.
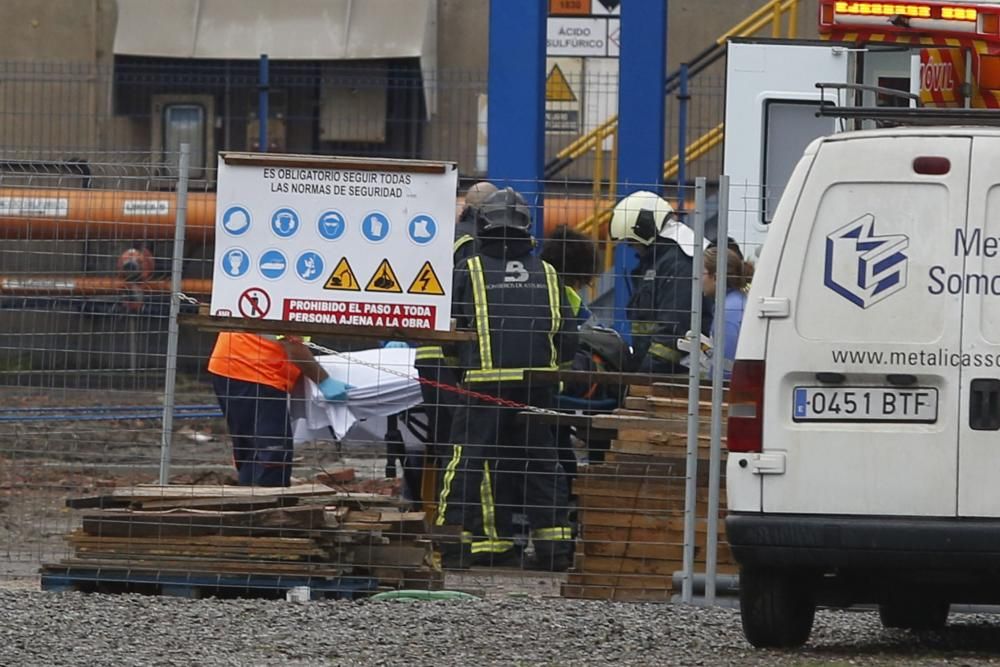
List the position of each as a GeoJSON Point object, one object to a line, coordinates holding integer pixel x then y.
{"type": "Point", "coordinates": [253, 377]}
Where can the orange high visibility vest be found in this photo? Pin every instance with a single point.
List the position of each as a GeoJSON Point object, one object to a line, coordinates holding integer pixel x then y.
{"type": "Point", "coordinates": [251, 358]}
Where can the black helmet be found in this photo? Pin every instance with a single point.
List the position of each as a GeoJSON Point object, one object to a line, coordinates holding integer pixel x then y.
{"type": "Point", "coordinates": [504, 211]}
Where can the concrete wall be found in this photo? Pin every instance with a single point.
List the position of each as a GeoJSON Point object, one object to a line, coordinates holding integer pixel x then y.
{"type": "Point", "coordinates": [55, 106]}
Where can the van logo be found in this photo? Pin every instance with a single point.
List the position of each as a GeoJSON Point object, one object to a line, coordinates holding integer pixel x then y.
{"type": "Point", "coordinates": [864, 267]}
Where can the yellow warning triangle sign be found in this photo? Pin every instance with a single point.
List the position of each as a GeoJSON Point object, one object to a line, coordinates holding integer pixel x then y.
{"type": "Point", "coordinates": [384, 279]}
{"type": "Point", "coordinates": [426, 282]}
{"type": "Point", "coordinates": [343, 278]}
{"type": "Point", "coordinates": [557, 87]}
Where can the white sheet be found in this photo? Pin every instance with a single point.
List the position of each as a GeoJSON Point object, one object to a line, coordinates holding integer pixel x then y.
{"type": "Point", "coordinates": [389, 387]}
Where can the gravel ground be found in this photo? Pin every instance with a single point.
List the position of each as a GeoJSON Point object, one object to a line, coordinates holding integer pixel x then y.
{"type": "Point", "coordinates": [93, 630]}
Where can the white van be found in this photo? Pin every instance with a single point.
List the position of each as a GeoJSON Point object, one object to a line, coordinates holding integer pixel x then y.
{"type": "Point", "coordinates": [864, 430]}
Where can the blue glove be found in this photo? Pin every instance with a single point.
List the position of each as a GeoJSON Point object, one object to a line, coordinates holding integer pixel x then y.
{"type": "Point", "coordinates": [334, 390]}
{"type": "Point", "coordinates": [392, 344]}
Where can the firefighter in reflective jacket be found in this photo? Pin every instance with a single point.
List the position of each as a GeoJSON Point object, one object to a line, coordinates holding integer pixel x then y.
{"type": "Point", "coordinates": [659, 309]}
{"type": "Point", "coordinates": [431, 362]}
{"type": "Point", "coordinates": [502, 462]}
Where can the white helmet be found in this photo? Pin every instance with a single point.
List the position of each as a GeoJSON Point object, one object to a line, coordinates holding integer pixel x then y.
{"type": "Point", "coordinates": [641, 216]}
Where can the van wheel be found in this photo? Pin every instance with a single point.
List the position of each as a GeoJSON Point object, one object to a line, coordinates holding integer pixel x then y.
{"type": "Point", "coordinates": [913, 613]}
{"type": "Point", "coordinates": [776, 607]}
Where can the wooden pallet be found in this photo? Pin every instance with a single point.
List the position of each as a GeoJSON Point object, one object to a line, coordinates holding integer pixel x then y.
{"type": "Point", "coordinates": [631, 508]}
{"type": "Point", "coordinates": [89, 578]}
{"type": "Point", "coordinates": [303, 531]}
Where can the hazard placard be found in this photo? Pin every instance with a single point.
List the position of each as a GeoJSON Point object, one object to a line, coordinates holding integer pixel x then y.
{"type": "Point", "coordinates": [562, 98]}
{"type": "Point", "coordinates": [384, 279]}
{"type": "Point", "coordinates": [254, 303]}
{"type": "Point", "coordinates": [557, 88]}
{"type": "Point", "coordinates": [426, 282]}
{"type": "Point", "coordinates": [342, 278]}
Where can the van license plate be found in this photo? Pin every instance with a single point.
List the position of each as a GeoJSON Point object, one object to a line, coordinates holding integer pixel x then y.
{"type": "Point", "coordinates": [864, 404]}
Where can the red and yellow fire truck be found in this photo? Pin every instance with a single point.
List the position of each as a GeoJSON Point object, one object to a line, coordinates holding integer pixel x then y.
{"type": "Point", "coordinates": [960, 54]}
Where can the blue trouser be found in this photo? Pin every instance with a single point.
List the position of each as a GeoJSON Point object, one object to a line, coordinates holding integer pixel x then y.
{"type": "Point", "coordinates": [259, 424]}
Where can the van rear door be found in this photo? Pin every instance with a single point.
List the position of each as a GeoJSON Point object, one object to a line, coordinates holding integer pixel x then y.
{"type": "Point", "coordinates": [855, 399]}
{"type": "Point", "coordinates": [979, 441]}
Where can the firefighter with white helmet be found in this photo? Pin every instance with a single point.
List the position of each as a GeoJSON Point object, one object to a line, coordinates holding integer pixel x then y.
{"type": "Point", "coordinates": [659, 309]}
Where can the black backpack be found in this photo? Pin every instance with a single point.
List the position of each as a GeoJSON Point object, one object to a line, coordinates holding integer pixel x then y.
{"type": "Point", "coordinates": [600, 348]}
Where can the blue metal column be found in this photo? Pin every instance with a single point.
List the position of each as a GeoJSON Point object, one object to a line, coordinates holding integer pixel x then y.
{"type": "Point", "coordinates": [516, 116]}
{"type": "Point", "coordinates": [263, 95]}
{"type": "Point", "coordinates": [642, 73]}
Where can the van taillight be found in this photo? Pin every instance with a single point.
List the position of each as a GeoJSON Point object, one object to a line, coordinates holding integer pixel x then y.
{"type": "Point", "coordinates": [746, 407]}
{"type": "Point", "coordinates": [932, 166]}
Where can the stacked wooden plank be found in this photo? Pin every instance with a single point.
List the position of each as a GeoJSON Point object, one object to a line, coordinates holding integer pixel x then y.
{"type": "Point", "coordinates": [631, 507]}
{"type": "Point", "coordinates": [308, 530]}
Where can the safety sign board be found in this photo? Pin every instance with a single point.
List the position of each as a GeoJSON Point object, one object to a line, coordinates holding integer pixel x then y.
{"type": "Point", "coordinates": [584, 28]}
{"type": "Point", "coordinates": [562, 94]}
{"type": "Point", "coordinates": [331, 240]}
{"type": "Point", "coordinates": [577, 37]}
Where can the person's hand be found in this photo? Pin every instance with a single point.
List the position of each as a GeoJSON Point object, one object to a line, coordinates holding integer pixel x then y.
{"type": "Point", "coordinates": [393, 344]}
{"type": "Point", "coordinates": [334, 390]}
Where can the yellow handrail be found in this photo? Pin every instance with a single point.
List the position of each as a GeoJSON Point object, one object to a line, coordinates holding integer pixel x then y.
{"type": "Point", "coordinates": [772, 12]}
{"type": "Point", "coordinates": [695, 150]}
{"type": "Point", "coordinates": [768, 13]}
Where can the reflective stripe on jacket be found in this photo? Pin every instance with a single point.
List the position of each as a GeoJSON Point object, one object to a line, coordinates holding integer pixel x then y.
{"type": "Point", "coordinates": [517, 306]}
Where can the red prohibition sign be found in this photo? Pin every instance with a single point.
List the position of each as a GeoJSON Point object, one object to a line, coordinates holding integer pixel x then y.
{"type": "Point", "coordinates": [254, 303]}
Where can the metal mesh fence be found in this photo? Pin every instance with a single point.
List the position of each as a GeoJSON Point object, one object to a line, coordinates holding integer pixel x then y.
{"type": "Point", "coordinates": [88, 202]}
{"type": "Point", "coordinates": [586, 468]}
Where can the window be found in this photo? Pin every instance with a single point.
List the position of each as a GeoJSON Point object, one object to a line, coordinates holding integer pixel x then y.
{"type": "Point", "coordinates": [184, 123]}
{"type": "Point", "coordinates": [184, 119]}
{"type": "Point", "coordinates": [789, 126]}
{"type": "Point", "coordinates": [900, 83]}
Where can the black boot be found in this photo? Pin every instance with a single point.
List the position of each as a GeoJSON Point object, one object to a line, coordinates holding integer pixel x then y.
{"type": "Point", "coordinates": [456, 556]}
{"type": "Point", "coordinates": [553, 556]}
{"type": "Point", "coordinates": [509, 558]}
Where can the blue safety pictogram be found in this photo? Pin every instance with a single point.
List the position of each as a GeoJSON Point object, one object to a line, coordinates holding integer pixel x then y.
{"type": "Point", "coordinates": [375, 227]}
{"type": "Point", "coordinates": [422, 229]}
{"type": "Point", "coordinates": [273, 264]}
{"type": "Point", "coordinates": [309, 266]}
{"type": "Point", "coordinates": [236, 220]}
{"type": "Point", "coordinates": [235, 262]}
{"type": "Point", "coordinates": [285, 222]}
{"type": "Point", "coordinates": [331, 225]}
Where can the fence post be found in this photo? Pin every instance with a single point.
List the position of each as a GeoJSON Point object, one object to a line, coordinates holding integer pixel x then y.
{"type": "Point", "coordinates": [683, 97]}
{"type": "Point", "coordinates": [176, 270]}
{"type": "Point", "coordinates": [263, 96]}
{"type": "Point", "coordinates": [694, 394]}
{"type": "Point", "coordinates": [718, 368]}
